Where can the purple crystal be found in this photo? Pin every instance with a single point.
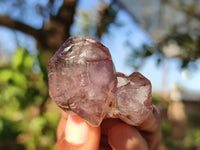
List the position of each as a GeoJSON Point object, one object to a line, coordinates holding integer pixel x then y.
{"type": "Point", "coordinates": [80, 75]}
{"type": "Point", "coordinates": [83, 81]}
{"type": "Point", "coordinates": [133, 98]}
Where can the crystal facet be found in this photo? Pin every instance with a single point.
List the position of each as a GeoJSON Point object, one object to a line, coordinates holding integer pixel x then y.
{"type": "Point", "coordinates": [83, 81]}
{"type": "Point", "coordinates": [133, 98]}
{"type": "Point", "coordinates": [80, 75]}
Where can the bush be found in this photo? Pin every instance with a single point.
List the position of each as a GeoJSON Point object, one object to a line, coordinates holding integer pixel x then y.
{"type": "Point", "coordinates": [25, 122]}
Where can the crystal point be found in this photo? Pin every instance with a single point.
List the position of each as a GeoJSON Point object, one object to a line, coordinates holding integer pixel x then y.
{"type": "Point", "coordinates": [133, 98]}
{"type": "Point", "coordinates": [80, 74]}
{"type": "Point", "coordinates": [83, 81]}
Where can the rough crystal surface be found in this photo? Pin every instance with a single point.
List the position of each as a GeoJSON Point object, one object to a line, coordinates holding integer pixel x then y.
{"type": "Point", "coordinates": [83, 81]}
{"type": "Point", "coordinates": [80, 75]}
{"type": "Point", "coordinates": [133, 98]}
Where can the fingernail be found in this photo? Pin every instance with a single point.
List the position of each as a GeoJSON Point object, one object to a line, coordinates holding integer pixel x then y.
{"type": "Point", "coordinates": [76, 131]}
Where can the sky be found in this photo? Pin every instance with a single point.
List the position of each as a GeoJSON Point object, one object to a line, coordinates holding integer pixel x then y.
{"type": "Point", "coordinates": [120, 52]}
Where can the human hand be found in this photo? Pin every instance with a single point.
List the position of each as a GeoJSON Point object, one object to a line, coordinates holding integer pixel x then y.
{"type": "Point", "coordinates": [74, 133]}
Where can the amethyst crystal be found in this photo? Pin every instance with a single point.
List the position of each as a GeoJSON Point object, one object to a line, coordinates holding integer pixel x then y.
{"type": "Point", "coordinates": [83, 81]}
{"type": "Point", "coordinates": [133, 98]}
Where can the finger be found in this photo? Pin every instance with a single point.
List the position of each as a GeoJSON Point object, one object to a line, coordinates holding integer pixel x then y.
{"type": "Point", "coordinates": [151, 129]}
{"type": "Point", "coordinates": [78, 135]}
{"type": "Point", "coordinates": [61, 125]}
{"type": "Point", "coordinates": [125, 137]}
{"type": "Point", "coordinates": [106, 125]}
{"type": "Point", "coordinates": [152, 123]}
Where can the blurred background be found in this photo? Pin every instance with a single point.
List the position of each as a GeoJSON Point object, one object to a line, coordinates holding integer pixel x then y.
{"type": "Point", "coordinates": [159, 38]}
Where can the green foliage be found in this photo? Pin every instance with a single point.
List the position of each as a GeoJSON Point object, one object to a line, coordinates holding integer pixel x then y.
{"type": "Point", "coordinates": [194, 119]}
{"type": "Point", "coordinates": [168, 140]}
{"type": "Point", "coordinates": [179, 135]}
{"type": "Point", "coordinates": [188, 45]}
{"type": "Point", "coordinates": [138, 55]}
{"type": "Point", "coordinates": [24, 121]}
{"type": "Point", "coordinates": [156, 99]}
{"type": "Point", "coordinates": [192, 138]}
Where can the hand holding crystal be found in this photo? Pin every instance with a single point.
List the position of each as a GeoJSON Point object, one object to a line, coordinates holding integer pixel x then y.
{"type": "Point", "coordinates": [83, 82]}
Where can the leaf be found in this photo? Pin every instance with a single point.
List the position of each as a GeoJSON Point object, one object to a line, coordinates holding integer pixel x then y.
{"type": "Point", "coordinates": [28, 61]}
{"type": "Point", "coordinates": [37, 124]}
{"type": "Point", "coordinates": [17, 59]}
{"type": "Point", "coordinates": [20, 79]}
{"type": "Point", "coordinates": [13, 95]}
{"type": "Point", "coordinates": [5, 75]}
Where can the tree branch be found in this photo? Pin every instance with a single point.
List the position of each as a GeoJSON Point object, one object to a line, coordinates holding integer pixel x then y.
{"type": "Point", "coordinates": [16, 25]}
{"type": "Point", "coordinates": [52, 34]}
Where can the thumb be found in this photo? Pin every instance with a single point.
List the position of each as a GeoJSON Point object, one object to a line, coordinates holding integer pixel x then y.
{"type": "Point", "coordinates": [78, 135]}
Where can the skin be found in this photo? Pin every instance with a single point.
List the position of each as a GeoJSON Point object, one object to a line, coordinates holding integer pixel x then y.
{"type": "Point", "coordinates": [73, 133]}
